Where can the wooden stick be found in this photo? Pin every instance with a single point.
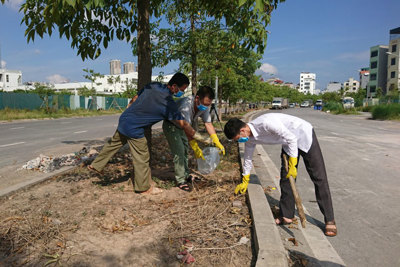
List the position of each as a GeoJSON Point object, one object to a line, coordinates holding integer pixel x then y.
{"type": "Point", "coordinates": [296, 195]}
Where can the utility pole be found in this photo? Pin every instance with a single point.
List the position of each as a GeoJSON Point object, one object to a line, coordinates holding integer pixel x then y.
{"type": "Point", "coordinates": [216, 97]}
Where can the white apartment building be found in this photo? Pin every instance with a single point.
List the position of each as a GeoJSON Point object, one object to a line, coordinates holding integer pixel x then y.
{"type": "Point", "coordinates": [351, 86]}
{"type": "Point", "coordinates": [115, 66]}
{"type": "Point", "coordinates": [307, 82]}
{"type": "Point", "coordinates": [129, 67]}
{"type": "Point", "coordinates": [10, 80]}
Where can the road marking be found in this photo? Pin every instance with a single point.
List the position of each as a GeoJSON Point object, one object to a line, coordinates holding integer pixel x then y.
{"type": "Point", "coordinates": [66, 122]}
{"type": "Point", "coordinates": [13, 144]}
{"type": "Point", "coordinates": [99, 119]}
{"type": "Point", "coordinates": [16, 128]}
{"type": "Point", "coordinates": [80, 132]}
{"type": "Point", "coordinates": [317, 241]}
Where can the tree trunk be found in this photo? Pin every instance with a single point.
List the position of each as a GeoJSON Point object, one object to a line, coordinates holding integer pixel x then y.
{"type": "Point", "coordinates": [144, 49]}
{"type": "Point", "coordinates": [194, 57]}
{"type": "Point", "coordinates": [144, 54]}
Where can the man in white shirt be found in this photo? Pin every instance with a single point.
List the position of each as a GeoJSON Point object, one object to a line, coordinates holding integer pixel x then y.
{"type": "Point", "coordinates": [191, 108]}
{"type": "Point", "coordinates": [297, 137]}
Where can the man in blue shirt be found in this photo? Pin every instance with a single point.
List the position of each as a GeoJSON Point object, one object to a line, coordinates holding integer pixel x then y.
{"type": "Point", "coordinates": [153, 104]}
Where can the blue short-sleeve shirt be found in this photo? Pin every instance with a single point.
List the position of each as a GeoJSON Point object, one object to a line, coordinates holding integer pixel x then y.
{"type": "Point", "coordinates": [154, 103]}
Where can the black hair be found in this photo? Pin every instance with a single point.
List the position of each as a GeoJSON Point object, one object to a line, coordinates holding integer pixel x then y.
{"type": "Point", "coordinates": [179, 79]}
{"type": "Point", "coordinates": [206, 91]}
{"type": "Point", "coordinates": [232, 127]}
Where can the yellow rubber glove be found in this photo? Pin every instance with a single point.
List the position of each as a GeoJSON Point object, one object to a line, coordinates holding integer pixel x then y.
{"type": "Point", "coordinates": [242, 188]}
{"type": "Point", "coordinates": [198, 153]}
{"type": "Point", "coordinates": [217, 143]}
{"type": "Point", "coordinates": [292, 168]}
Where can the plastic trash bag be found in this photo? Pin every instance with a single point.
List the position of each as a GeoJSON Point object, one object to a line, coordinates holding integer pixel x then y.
{"type": "Point", "coordinates": [211, 156]}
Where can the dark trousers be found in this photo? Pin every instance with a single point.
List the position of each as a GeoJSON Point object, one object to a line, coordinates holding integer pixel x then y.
{"type": "Point", "coordinates": [316, 169]}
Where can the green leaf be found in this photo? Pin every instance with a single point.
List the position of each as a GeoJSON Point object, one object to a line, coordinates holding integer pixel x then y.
{"type": "Point", "coordinates": [71, 3]}
{"type": "Point", "coordinates": [242, 2]}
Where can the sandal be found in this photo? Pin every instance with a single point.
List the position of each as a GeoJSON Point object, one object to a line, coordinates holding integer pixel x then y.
{"type": "Point", "coordinates": [184, 187]}
{"type": "Point", "coordinates": [283, 221]}
{"type": "Point", "coordinates": [191, 179]}
{"type": "Point", "coordinates": [331, 232]}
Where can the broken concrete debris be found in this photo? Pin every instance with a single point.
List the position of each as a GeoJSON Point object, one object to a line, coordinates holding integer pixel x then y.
{"type": "Point", "coordinates": [47, 164]}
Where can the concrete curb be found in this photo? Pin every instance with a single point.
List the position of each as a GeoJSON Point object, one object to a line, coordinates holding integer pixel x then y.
{"type": "Point", "coordinates": [268, 244]}
{"type": "Point", "coordinates": [26, 184]}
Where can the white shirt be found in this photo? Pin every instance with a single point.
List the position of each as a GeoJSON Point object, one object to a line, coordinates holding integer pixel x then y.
{"type": "Point", "coordinates": [186, 107]}
{"type": "Point", "coordinates": [277, 128]}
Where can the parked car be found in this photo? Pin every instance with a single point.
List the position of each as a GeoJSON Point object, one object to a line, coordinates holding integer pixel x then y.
{"type": "Point", "coordinates": [292, 105]}
{"type": "Point", "coordinates": [305, 104]}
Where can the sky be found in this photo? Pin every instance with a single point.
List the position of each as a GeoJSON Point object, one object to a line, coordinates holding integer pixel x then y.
{"type": "Point", "coordinates": [329, 38]}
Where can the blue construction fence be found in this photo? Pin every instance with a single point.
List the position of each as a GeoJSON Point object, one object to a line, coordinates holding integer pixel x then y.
{"type": "Point", "coordinates": [33, 101]}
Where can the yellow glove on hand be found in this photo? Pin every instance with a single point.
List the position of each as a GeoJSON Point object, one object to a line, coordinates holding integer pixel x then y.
{"type": "Point", "coordinates": [242, 188]}
{"type": "Point", "coordinates": [198, 153]}
{"type": "Point", "coordinates": [217, 143]}
{"type": "Point", "coordinates": [292, 168]}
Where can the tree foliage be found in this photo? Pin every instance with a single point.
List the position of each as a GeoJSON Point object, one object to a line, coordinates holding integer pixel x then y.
{"type": "Point", "coordinates": [198, 28]}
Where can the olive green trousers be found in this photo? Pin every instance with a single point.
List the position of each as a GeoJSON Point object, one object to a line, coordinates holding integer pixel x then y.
{"type": "Point", "coordinates": [140, 158]}
{"type": "Point", "coordinates": [179, 146]}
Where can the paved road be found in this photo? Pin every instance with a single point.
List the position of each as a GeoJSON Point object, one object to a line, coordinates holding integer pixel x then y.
{"type": "Point", "coordinates": [362, 158]}
{"type": "Point", "coordinates": [23, 141]}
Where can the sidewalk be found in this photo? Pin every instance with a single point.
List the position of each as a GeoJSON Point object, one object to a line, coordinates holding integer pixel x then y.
{"type": "Point", "coordinates": [308, 246]}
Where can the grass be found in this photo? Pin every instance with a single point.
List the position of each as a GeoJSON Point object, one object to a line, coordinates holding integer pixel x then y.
{"type": "Point", "coordinates": [337, 108]}
{"type": "Point", "coordinates": [386, 112]}
{"type": "Point", "coordinates": [8, 114]}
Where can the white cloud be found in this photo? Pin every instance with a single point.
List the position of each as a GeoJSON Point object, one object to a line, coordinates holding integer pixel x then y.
{"type": "Point", "coordinates": [268, 68]}
{"type": "Point", "coordinates": [2, 64]}
{"type": "Point", "coordinates": [360, 56]}
{"type": "Point", "coordinates": [14, 4]}
{"type": "Point", "coordinates": [57, 78]}
{"type": "Point", "coordinates": [37, 51]}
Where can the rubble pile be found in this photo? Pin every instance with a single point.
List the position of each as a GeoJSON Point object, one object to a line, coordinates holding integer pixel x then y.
{"type": "Point", "coordinates": [47, 164]}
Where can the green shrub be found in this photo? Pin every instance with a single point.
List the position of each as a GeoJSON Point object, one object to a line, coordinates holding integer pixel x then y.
{"type": "Point", "coordinates": [367, 108]}
{"type": "Point", "coordinates": [334, 107]}
{"type": "Point", "coordinates": [386, 112]}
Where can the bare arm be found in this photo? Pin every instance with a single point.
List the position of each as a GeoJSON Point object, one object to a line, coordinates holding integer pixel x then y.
{"type": "Point", "coordinates": [189, 131]}
{"type": "Point", "coordinates": [210, 128]}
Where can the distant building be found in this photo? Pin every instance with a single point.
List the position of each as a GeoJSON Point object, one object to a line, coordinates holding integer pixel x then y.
{"type": "Point", "coordinates": [115, 67]}
{"type": "Point", "coordinates": [307, 82]}
{"type": "Point", "coordinates": [110, 84]}
{"type": "Point", "coordinates": [377, 70]}
{"type": "Point", "coordinates": [10, 80]}
{"type": "Point", "coordinates": [129, 67]}
{"type": "Point", "coordinates": [351, 86]}
{"type": "Point", "coordinates": [333, 87]}
{"type": "Point", "coordinates": [290, 85]}
{"type": "Point", "coordinates": [393, 66]}
{"type": "Point", "coordinates": [364, 78]}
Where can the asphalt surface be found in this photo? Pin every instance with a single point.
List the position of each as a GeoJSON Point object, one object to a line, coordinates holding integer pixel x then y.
{"type": "Point", "coordinates": [362, 160]}
{"type": "Point", "coordinates": [24, 140]}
